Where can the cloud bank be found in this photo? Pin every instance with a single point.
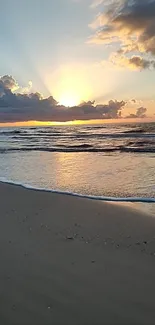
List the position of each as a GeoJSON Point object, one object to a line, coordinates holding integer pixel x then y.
{"type": "Point", "coordinates": [129, 24]}
{"type": "Point", "coordinates": [140, 113]}
{"type": "Point", "coordinates": [21, 107]}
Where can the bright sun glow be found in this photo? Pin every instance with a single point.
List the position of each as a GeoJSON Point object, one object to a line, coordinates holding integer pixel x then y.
{"type": "Point", "coordinates": [69, 99]}
{"type": "Point", "coordinates": [69, 85]}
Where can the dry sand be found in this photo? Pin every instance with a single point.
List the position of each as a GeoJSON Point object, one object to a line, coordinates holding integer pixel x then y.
{"type": "Point", "coordinates": [67, 260]}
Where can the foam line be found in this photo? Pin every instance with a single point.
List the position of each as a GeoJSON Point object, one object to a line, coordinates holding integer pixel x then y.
{"type": "Point", "coordinates": [92, 197]}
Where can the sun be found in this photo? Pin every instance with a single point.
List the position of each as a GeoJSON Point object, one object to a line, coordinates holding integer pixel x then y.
{"type": "Point", "coordinates": [69, 85]}
{"type": "Point", "coordinates": [69, 99]}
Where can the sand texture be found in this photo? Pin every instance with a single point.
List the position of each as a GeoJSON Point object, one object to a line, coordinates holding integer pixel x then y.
{"type": "Point", "coordinates": [71, 261]}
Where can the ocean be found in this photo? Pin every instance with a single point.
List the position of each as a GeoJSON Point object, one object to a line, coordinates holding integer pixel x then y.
{"type": "Point", "coordinates": [113, 162]}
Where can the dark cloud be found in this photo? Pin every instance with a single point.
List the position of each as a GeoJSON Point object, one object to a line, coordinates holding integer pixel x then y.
{"type": "Point", "coordinates": [141, 63]}
{"type": "Point", "coordinates": [7, 84]}
{"type": "Point", "coordinates": [112, 110]}
{"type": "Point", "coordinates": [17, 107]}
{"type": "Point", "coordinates": [134, 62]}
{"type": "Point", "coordinates": [132, 24]}
{"type": "Point", "coordinates": [140, 113]}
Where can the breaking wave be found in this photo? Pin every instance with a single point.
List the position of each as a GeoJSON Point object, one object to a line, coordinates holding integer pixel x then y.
{"type": "Point", "coordinates": [92, 197]}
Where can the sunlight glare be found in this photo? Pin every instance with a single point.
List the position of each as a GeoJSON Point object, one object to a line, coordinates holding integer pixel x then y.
{"type": "Point", "coordinates": [69, 85]}
{"type": "Point", "coordinates": [69, 99]}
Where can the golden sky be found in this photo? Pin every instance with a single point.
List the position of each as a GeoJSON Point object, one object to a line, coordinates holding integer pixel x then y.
{"type": "Point", "coordinates": [77, 60]}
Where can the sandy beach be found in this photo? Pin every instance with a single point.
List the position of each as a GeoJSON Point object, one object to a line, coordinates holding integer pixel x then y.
{"type": "Point", "coordinates": [71, 261]}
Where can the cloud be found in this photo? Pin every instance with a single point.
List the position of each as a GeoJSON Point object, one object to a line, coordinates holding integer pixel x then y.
{"type": "Point", "coordinates": [134, 62]}
{"type": "Point", "coordinates": [134, 102]}
{"type": "Point", "coordinates": [140, 113]}
{"type": "Point", "coordinates": [131, 25]}
{"type": "Point", "coordinates": [112, 110]}
{"type": "Point", "coordinates": [26, 89]}
{"type": "Point", "coordinates": [96, 3]}
{"type": "Point", "coordinates": [7, 83]}
{"type": "Point", "coordinates": [138, 62]}
{"type": "Point", "coordinates": [19, 107]}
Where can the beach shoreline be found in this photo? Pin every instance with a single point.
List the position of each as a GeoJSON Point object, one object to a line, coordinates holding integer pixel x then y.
{"type": "Point", "coordinates": [70, 260]}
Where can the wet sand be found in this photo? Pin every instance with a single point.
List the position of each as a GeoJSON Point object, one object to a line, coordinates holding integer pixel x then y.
{"type": "Point", "coordinates": [72, 261]}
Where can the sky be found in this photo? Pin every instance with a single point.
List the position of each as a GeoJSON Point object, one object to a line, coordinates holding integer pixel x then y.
{"type": "Point", "coordinates": [71, 60]}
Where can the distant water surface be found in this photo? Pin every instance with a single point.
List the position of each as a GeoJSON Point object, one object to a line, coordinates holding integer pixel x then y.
{"type": "Point", "coordinates": [101, 160]}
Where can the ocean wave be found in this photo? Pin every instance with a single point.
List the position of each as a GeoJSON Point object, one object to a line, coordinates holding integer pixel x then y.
{"type": "Point", "coordinates": [138, 150]}
{"type": "Point", "coordinates": [141, 142]}
{"type": "Point", "coordinates": [97, 139]}
{"type": "Point", "coordinates": [114, 135]}
{"type": "Point", "coordinates": [23, 132]}
{"type": "Point", "coordinates": [139, 130]}
{"type": "Point", "coordinates": [96, 127]}
{"type": "Point", "coordinates": [85, 196]}
{"type": "Point", "coordinates": [60, 148]}
{"type": "Point", "coordinates": [81, 148]}
{"type": "Point", "coordinates": [49, 131]}
{"type": "Point", "coordinates": [77, 135]}
{"type": "Point", "coordinates": [42, 135]}
{"type": "Point", "coordinates": [11, 132]}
